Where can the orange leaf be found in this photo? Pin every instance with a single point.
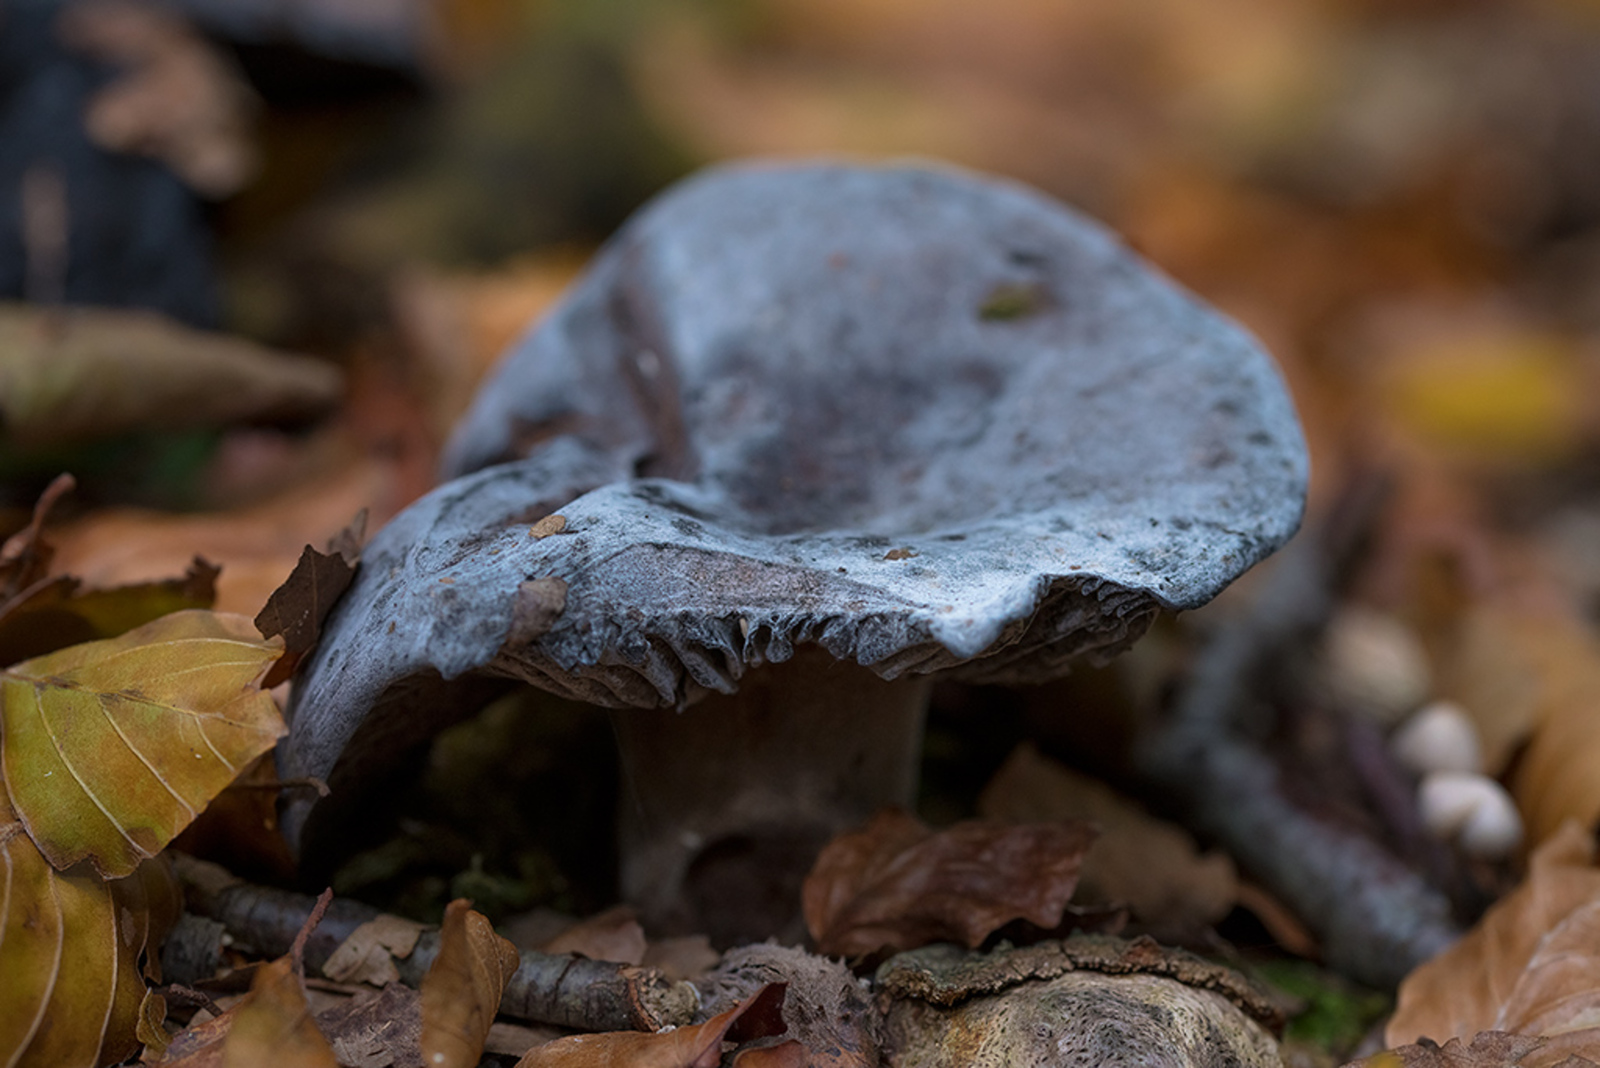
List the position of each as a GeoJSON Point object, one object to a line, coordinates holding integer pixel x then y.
{"type": "Point", "coordinates": [1532, 964]}
{"type": "Point", "coordinates": [699, 1046]}
{"type": "Point", "coordinates": [461, 992]}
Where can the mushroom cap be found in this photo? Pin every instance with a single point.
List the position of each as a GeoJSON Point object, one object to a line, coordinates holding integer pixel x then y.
{"type": "Point", "coordinates": [925, 419]}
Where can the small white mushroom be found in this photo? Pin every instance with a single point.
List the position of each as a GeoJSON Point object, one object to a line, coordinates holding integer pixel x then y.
{"type": "Point", "coordinates": [1472, 810]}
{"type": "Point", "coordinates": [1439, 737]}
{"type": "Point", "coordinates": [1372, 663]}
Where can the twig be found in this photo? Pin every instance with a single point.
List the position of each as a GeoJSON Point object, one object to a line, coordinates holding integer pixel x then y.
{"type": "Point", "coordinates": [564, 990]}
{"type": "Point", "coordinates": [1377, 919]}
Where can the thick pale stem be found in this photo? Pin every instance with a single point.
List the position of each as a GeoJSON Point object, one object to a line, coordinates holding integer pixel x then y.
{"type": "Point", "coordinates": [724, 806]}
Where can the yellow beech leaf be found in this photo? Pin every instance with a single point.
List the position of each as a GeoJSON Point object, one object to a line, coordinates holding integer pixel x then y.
{"type": "Point", "coordinates": [461, 992]}
{"type": "Point", "coordinates": [110, 748]}
{"type": "Point", "coordinates": [70, 949]}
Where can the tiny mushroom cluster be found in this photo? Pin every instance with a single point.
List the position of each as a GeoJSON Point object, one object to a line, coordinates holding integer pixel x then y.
{"type": "Point", "coordinates": [1373, 665]}
{"type": "Point", "coordinates": [803, 437]}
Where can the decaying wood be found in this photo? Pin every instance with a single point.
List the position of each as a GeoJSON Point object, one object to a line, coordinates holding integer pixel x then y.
{"type": "Point", "coordinates": [1376, 917]}
{"type": "Point", "coordinates": [564, 990]}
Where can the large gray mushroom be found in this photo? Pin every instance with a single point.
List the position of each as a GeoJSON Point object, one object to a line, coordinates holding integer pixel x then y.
{"type": "Point", "coordinates": [813, 434]}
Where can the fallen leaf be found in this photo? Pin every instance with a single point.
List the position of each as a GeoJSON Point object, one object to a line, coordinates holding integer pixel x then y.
{"type": "Point", "coordinates": [376, 1030]}
{"type": "Point", "coordinates": [83, 373]}
{"type": "Point", "coordinates": [685, 957]}
{"type": "Point", "coordinates": [698, 1046]}
{"type": "Point", "coordinates": [176, 97]}
{"type": "Point", "coordinates": [1151, 866]}
{"type": "Point", "coordinates": [1488, 1049]}
{"type": "Point", "coordinates": [56, 614]}
{"type": "Point", "coordinates": [896, 884]}
{"type": "Point", "coordinates": [239, 828]}
{"type": "Point", "coordinates": [461, 992]}
{"type": "Point", "coordinates": [790, 1054]}
{"type": "Point", "coordinates": [110, 748]}
{"type": "Point", "coordinates": [256, 546]}
{"type": "Point", "coordinates": [613, 935]}
{"type": "Point", "coordinates": [1530, 679]}
{"type": "Point", "coordinates": [1522, 966]}
{"type": "Point", "coordinates": [70, 952]}
{"type": "Point", "coordinates": [273, 1027]}
{"type": "Point", "coordinates": [296, 609]}
{"type": "Point", "coordinates": [368, 953]}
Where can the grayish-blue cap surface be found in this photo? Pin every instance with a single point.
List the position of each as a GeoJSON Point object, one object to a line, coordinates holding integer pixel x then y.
{"type": "Point", "coordinates": [925, 419]}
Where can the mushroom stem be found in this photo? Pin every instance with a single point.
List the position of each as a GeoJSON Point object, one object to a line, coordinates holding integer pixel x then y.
{"type": "Point", "coordinates": [725, 806]}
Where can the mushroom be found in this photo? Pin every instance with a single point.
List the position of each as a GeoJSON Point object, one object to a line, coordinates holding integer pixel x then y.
{"type": "Point", "coordinates": [814, 433]}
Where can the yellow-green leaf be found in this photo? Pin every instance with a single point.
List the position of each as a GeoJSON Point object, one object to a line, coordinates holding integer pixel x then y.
{"type": "Point", "coordinates": [110, 748]}
{"type": "Point", "coordinates": [70, 949]}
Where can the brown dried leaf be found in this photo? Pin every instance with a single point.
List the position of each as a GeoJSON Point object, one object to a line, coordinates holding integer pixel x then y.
{"type": "Point", "coordinates": [685, 957]}
{"type": "Point", "coordinates": [1530, 678]}
{"type": "Point", "coordinates": [613, 935]}
{"type": "Point", "coordinates": [1488, 1049]}
{"type": "Point", "coordinates": [376, 1030]}
{"type": "Point", "coordinates": [369, 953]}
{"type": "Point", "coordinates": [239, 828]}
{"type": "Point", "coordinates": [896, 884]}
{"type": "Point", "coordinates": [178, 99]}
{"type": "Point", "coordinates": [273, 1027]}
{"type": "Point", "coordinates": [461, 992]}
{"type": "Point", "coordinates": [85, 373]}
{"type": "Point", "coordinates": [699, 1046]}
{"type": "Point", "coordinates": [1152, 866]}
{"type": "Point", "coordinates": [790, 1054]}
{"type": "Point", "coordinates": [1502, 975]}
{"type": "Point", "coordinates": [53, 615]}
{"type": "Point", "coordinates": [297, 608]}
{"type": "Point", "coordinates": [256, 546]}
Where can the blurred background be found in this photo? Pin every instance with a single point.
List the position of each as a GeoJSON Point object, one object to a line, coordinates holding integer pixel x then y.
{"type": "Point", "coordinates": [1401, 198]}
{"type": "Point", "coordinates": [344, 210]}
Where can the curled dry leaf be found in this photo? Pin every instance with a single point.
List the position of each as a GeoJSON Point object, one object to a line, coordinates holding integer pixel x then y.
{"type": "Point", "coordinates": [296, 609]}
{"type": "Point", "coordinates": [699, 1046]}
{"type": "Point", "coordinates": [56, 614]}
{"type": "Point", "coordinates": [461, 992]}
{"type": "Point", "coordinates": [1531, 966]}
{"type": "Point", "coordinates": [613, 935]}
{"type": "Point", "coordinates": [178, 98]}
{"type": "Point", "coordinates": [1152, 866]}
{"type": "Point", "coordinates": [369, 953]}
{"type": "Point", "coordinates": [74, 954]}
{"type": "Point", "coordinates": [378, 1029]}
{"type": "Point", "coordinates": [897, 884]}
{"type": "Point", "coordinates": [86, 373]}
{"type": "Point", "coordinates": [1488, 1049]}
{"type": "Point", "coordinates": [110, 748]}
{"type": "Point", "coordinates": [273, 1027]}
{"type": "Point", "coordinates": [1530, 680]}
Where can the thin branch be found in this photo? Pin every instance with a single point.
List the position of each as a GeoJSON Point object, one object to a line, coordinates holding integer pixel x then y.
{"type": "Point", "coordinates": [564, 990]}
{"type": "Point", "coordinates": [1376, 917]}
